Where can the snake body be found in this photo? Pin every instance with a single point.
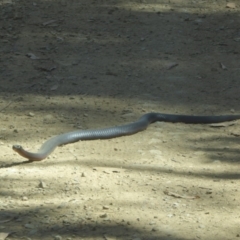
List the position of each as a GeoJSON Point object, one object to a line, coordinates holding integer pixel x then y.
{"type": "Point", "coordinates": [106, 133]}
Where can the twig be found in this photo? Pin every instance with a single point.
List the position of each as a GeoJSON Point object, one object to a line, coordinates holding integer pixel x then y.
{"type": "Point", "coordinates": [6, 106]}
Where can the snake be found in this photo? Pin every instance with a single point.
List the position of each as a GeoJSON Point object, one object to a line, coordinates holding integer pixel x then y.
{"type": "Point", "coordinates": [112, 132]}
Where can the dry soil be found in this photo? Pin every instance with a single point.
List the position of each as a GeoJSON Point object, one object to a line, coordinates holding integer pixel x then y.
{"type": "Point", "coordinates": [75, 64]}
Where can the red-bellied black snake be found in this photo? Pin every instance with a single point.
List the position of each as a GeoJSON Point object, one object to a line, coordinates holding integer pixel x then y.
{"type": "Point", "coordinates": [106, 133]}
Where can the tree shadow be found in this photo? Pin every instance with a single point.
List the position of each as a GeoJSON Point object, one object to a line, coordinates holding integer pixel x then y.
{"type": "Point", "coordinates": [96, 54]}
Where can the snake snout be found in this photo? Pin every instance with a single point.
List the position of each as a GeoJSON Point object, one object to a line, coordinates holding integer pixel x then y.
{"type": "Point", "coordinates": [16, 147]}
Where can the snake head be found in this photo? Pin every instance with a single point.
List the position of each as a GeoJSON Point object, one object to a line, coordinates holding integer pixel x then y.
{"type": "Point", "coordinates": [16, 147]}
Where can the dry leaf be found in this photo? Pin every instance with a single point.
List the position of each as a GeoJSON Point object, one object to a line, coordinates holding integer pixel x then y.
{"type": "Point", "coordinates": [6, 220]}
{"type": "Point", "coordinates": [231, 5]}
{"type": "Point", "coordinates": [32, 56]}
{"type": "Point", "coordinates": [46, 68]}
{"type": "Point", "coordinates": [176, 195]}
{"type": "Point", "coordinates": [223, 124]}
{"type": "Point", "coordinates": [54, 87]}
{"type": "Point", "coordinates": [223, 66]}
{"type": "Point", "coordinates": [172, 65]}
{"type": "Point", "coordinates": [108, 170]}
{"type": "Point", "coordinates": [49, 22]}
{"type": "Point", "coordinates": [235, 134]}
{"type": "Point", "coordinates": [4, 235]}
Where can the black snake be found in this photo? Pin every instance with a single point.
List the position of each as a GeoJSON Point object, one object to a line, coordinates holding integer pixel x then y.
{"type": "Point", "coordinates": [106, 133]}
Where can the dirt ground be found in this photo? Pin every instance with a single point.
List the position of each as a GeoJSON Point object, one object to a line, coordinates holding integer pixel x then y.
{"type": "Point", "coordinates": [75, 64]}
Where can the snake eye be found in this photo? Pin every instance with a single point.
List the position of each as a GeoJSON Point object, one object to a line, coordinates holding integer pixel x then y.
{"type": "Point", "coordinates": [16, 147]}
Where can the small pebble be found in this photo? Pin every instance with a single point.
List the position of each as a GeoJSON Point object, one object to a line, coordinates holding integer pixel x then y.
{"type": "Point", "coordinates": [30, 114]}
{"type": "Point", "coordinates": [24, 198]}
{"type": "Point", "coordinates": [42, 184]}
{"type": "Point", "coordinates": [57, 237]}
{"type": "Point", "coordinates": [29, 225]}
{"type": "Point", "coordinates": [105, 207]}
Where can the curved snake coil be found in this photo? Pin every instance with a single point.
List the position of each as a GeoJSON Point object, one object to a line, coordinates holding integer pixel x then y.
{"type": "Point", "coordinates": [106, 133]}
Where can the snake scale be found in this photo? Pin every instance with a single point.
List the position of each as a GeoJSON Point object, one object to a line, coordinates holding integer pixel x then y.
{"type": "Point", "coordinates": [112, 132]}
